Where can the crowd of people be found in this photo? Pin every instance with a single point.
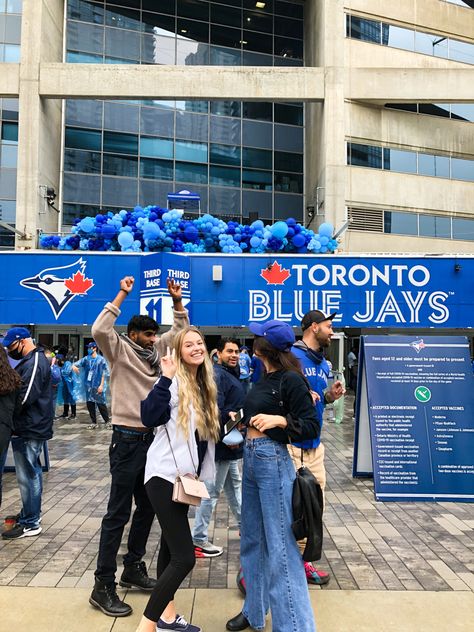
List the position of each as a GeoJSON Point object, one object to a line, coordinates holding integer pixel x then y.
{"type": "Point", "coordinates": [171, 406]}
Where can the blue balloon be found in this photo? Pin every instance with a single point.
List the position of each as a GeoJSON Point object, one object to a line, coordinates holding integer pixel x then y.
{"type": "Point", "coordinates": [279, 230]}
{"type": "Point", "coordinates": [324, 240]}
{"type": "Point", "coordinates": [326, 230]}
{"type": "Point", "coordinates": [298, 240]}
{"type": "Point", "coordinates": [87, 224]}
{"type": "Point", "coordinates": [125, 239]}
{"type": "Point", "coordinates": [255, 242]}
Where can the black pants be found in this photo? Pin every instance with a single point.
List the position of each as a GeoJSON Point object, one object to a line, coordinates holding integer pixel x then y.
{"type": "Point", "coordinates": [127, 455]}
{"type": "Point", "coordinates": [73, 410]}
{"type": "Point", "coordinates": [102, 409]}
{"type": "Point", "coordinates": [5, 434]}
{"type": "Point", "coordinates": [176, 557]}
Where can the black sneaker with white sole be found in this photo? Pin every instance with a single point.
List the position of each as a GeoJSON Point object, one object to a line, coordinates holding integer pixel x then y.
{"type": "Point", "coordinates": [19, 531]}
{"type": "Point", "coordinates": [179, 625]}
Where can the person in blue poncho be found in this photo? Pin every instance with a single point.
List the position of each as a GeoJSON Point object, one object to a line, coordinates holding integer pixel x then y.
{"type": "Point", "coordinates": [94, 371]}
{"type": "Point", "coordinates": [67, 393]}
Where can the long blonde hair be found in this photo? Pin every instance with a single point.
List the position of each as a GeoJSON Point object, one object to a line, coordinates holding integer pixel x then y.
{"type": "Point", "coordinates": [199, 391]}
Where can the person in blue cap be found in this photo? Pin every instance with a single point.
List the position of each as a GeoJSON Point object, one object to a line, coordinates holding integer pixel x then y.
{"type": "Point", "coordinates": [95, 372]}
{"type": "Point", "coordinates": [277, 410]}
{"type": "Point", "coordinates": [32, 427]}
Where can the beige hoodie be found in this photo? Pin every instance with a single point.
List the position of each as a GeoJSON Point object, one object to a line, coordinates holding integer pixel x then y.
{"type": "Point", "coordinates": [131, 378]}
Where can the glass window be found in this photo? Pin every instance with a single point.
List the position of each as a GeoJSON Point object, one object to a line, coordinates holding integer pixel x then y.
{"type": "Point", "coordinates": [8, 183]}
{"type": "Point", "coordinates": [224, 176]}
{"type": "Point", "coordinates": [257, 42]}
{"type": "Point", "coordinates": [226, 15]}
{"type": "Point", "coordinates": [154, 192]}
{"type": "Point", "coordinates": [192, 126]}
{"type": "Point", "coordinates": [73, 211]}
{"type": "Point", "coordinates": [120, 166]}
{"type": "Point", "coordinates": [289, 182]}
{"type": "Point", "coordinates": [83, 189]}
{"type": "Point", "coordinates": [226, 108]}
{"type": "Point", "coordinates": [225, 56]}
{"type": "Point", "coordinates": [123, 18]}
{"type": "Point", "coordinates": [461, 51]}
{"type": "Point", "coordinates": [14, 6]}
{"type": "Point", "coordinates": [288, 27]}
{"type": "Point", "coordinates": [123, 118]}
{"type": "Point", "coordinates": [224, 201]}
{"type": "Point", "coordinates": [11, 53]}
{"type": "Point", "coordinates": [8, 155]}
{"type": "Point", "coordinates": [289, 114]}
{"type": "Point", "coordinates": [255, 21]}
{"type": "Point", "coordinates": [225, 36]}
{"type": "Point", "coordinates": [361, 29]}
{"type": "Point", "coordinates": [285, 47]}
{"type": "Point", "coordinates": [193, 106]}
{"type": "Point", "coordinates": [429, 165]}
{"type": "Point", "coordinates": [122, 44]}
{"type": "Point", "coordinates": [288, 138]}
{"type": "Point", "coordinates": [157, 49]}
{"type": "Point", "coordinates": [398, 37]}
{"type": "Point", "coordinates": [10, 131]}
{"type": "Point", "coordinates": [462, 111]}
{"type": "Point", "coordinates": [257, 59]}
{"type": "Point", "coordinates": [193, 9]}
{"type": "Point", "coordinates": [12, 29]}
{"type": "Point", "coordinates": [189, 172]}
{"type": "Point", "coordinates": [166, 6]}
{"type": "Point", "coordinates": [194, 152]}
{"type": "Point", "coordinates": [430, 44]}
{"type": "Point", "coordinates": [159, 24]}
{"type": "Point", "coordinates": [8, 210]}
{"type": "Point", "coordinates": [83, 139]}
{"type": "Point", "coordinates": [156, 147]}
{"type": "Point", "coordinates": [288, 206]}
{"type": "Point", "coordinates": [463, 229]}
{"type": "Point", "coordinates": [401, 161]}
{"type": "Point", "coordinates": [156, 169]}
{"type": "Point", "coordinates": [85, 11]}
{"type": "Point", "coordinates": [191, 30]}
{"type": "Point", "coordinates": [257, 180]}
{"type": "Point", "coordinates": [157, 121]}
{"type": "Point", "coordinates": [291, 9]}
{"type": "Point", "coordinates": [85, 37]}
{"type": "Point", "coordinates": [462, 169]}
{"type": "Point", "coordinates": [285, 161]}
{"type": "Point", "coordinates": [225, 154]}
{"type": "Point", "coordinates": [256, 158]}
{"type": "Point", "coordinates": [121, 192]}
{"type": "Point", "coordinates": [257, 134]}
{"type": "Point", "coordinates": [121, 143]}
{"type": "Point", "coordinates": [191, 53]}
{"type": "Point", "coordinates": [82, 161]}
{"type": "Point", "coordinates": [257, 110]}
{"type": "Point", "coordinates": [225, 130]}
{"type": "Point", "coordinates": [84, 113]}
{"type": "Point", "coordinates": [257, 202]}
{"type": "Point", "coordinates": [364, 155]}
{"type": "Point", "coordinates": [84, 58]}
{"type": "Point", "coordinates": [400, 223]}
{"type": "Point", "coordinates": [434, 226]}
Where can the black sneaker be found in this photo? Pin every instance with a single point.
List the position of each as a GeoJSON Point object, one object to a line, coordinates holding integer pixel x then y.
{"type": "Point", "coordinates": [20, 531]}
{"type": "Point", "coordinates": [135, 576]}
{"type": "Point", "coordinates": [104, 597]}
{"type": "Point", "coordinates": [179, 625]}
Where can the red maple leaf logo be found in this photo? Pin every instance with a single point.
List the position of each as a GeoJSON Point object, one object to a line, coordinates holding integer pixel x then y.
{"type": "Point", "coordinates": [275, 274]}
{"type": "Point", "coordinates": [78, 284]}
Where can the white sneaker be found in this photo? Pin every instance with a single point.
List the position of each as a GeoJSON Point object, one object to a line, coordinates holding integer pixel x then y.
{"type": "Point", "coordinates": [207, 549]}
{"type": "Point", "coordinates": [92, 427]}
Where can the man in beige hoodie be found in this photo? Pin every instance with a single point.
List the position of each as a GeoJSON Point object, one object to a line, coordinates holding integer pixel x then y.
{"type": "Point", "coordinates": [134, 361]}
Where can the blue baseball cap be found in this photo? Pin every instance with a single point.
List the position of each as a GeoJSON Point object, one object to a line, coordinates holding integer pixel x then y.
{"type": "Point", "coordinates": [92, 345]}
{"type": "Point", "coordinates": [279, 334]}
{"type": "Point", "coordinates": [15, 333]}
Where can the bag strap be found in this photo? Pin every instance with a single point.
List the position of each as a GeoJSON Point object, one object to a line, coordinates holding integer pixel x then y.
{"type": "Point", "coordinates": [174, 458]}
{"type": "Point", "coordinates": [282, 406]}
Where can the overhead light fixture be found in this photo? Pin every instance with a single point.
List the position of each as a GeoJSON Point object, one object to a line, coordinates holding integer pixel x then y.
{"type": "Point", "coordinates": [184, 30]}
{"type": "Point", "coordinates": [243, 42]}
{"type": "Point", "coordinates": [260, 5]}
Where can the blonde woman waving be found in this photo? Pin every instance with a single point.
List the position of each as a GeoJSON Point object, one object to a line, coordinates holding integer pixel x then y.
{"type": "Point", "coordinates": [183, 408]}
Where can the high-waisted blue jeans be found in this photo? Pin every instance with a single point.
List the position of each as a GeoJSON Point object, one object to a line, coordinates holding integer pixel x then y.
{"type": "Point", "coordinates": [271, 561]}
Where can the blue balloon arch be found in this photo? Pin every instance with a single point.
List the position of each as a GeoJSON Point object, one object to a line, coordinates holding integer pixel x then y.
{"type": "Point", "coordinates": [155, 229]}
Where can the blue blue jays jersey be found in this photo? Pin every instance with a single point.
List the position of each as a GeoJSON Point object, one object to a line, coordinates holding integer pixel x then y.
{"type": "Point", "coordinates": [317, 376]}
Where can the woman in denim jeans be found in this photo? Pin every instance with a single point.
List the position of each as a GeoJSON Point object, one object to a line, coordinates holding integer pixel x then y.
{"type": "Point", "coordinates": [278, 409]}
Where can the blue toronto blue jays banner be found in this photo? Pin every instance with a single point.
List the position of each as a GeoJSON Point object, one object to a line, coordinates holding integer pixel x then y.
{"type": "Point", "coordinates": [415, 418]}
{"type": "Point", "coordinates": [229, 290]}
{"type": "Point", "coordinates": [365, 291]}
{"type": "Point", "coordinates": [64, 289]}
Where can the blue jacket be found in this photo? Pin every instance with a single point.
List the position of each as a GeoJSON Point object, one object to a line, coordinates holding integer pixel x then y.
{"type": "Point", "coordinates": [317, 375]}
{"type": "Point", "coordinates": [230, 397]}
{"type": "Point", "coordinates": [35, 417]}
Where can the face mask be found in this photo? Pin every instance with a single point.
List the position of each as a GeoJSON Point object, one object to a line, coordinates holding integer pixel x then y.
{"type": "Point", "coordinates": [90, 351]}
{"type": "Point", "coordinates": [16, 354]}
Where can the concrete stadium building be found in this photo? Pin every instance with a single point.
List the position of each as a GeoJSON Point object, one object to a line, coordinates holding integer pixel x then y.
{"type": "Point", "coordinates": [356, 112]}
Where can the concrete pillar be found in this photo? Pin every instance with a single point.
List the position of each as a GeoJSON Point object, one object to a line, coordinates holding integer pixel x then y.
{"type": "Point", "coordinates": [39, 132]}
{"type": "Point", "coordinates": [325, 146]}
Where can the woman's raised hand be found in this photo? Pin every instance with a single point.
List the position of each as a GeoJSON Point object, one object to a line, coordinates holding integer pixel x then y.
{"type": "Point", "coordinates": [265, 422]}
{"type": "Point", "coordinates": [168, 364]}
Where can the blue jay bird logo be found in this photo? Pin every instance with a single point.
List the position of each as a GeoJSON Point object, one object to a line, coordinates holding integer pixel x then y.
{"type": "Point", "coordinates": [418, 345]}
{"type": "Point", "coordinates": [60, 285]}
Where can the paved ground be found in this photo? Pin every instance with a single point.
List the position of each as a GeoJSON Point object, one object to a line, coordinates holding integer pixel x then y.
{"type": "Point", "coordinates": [368, 545]}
